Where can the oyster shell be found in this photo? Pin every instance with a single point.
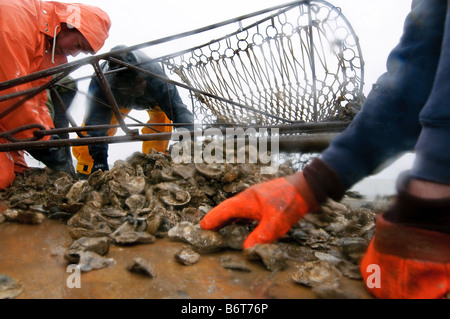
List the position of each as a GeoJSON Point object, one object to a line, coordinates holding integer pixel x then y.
{"type": "Point", "coordinates": [234, 263]}
{"type": "Point", "coordinates": [317, 274]}
{"type": "Point", "coordinates": [234, 235]}
{"type": "Point", "coordinates": [142, 267]}
{"type": "Point", "coordinates": [270, 254]}
{"type": "Point", "coordinates": [88, 260]}
{"type": "Point", "coordinates": [150, 196]}
{"type": "Point", "coordinates": [98, 245]}
{"type": "Point", "coordinates": [133, 237]}
{"type": "Point", "coordinates": [186, 256]}
{"type": "Point", "coordinates": [63, 184]}
{"type": "Point", "coordinates": [9, 287]}
{"type": "Point", "coordinates": [24, 217]}
{"type": "Point", "coordinates": [202, 241]}
{"type": "Point", "coordinates": [211, 171]}
{"type": "Point", "coordinates": [135, 202]}
{"type": "Point", "coordinates": [79, 232]}
{"type": "Point", "coordinates": [172, 194]}
{"type": "Point", "coordinates": [78, 192]}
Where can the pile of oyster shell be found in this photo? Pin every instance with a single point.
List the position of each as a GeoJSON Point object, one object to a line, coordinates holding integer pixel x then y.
{"type": "Point", "coordinates": [148, 196]}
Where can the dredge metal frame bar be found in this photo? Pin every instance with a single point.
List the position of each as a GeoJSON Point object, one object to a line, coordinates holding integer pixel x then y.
{"type": "Point", "coordinates": [293, 139]}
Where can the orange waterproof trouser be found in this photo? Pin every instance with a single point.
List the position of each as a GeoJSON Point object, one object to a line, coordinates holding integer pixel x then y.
{"type": "Point", "coordinates": [6, 170]}
{"type": "Point", "coordinates": [85, 161]}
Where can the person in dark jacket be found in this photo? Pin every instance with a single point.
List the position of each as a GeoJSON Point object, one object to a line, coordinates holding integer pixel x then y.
{"type": "Point", "coordinates": [133, 91]}
{"type": "Point", "coordinates": [407, 109]}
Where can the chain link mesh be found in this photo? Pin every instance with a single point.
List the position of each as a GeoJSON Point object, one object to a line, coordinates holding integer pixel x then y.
{"type": "Point", "coordinates": [301, 64]}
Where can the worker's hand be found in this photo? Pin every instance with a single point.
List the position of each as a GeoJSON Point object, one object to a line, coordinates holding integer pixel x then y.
{"type": "Point", "coordinates": [100, 166]}
{"type": "Point", "coordinates": [277, 204]}
{"type": "Point", "coordinates": [100, 162]}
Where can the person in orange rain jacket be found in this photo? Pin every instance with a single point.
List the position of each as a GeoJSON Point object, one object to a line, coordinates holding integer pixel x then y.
{"type": "Point", "coordinates": [407, 109]}
{"type": "Point", "coordinates": [36, 35]}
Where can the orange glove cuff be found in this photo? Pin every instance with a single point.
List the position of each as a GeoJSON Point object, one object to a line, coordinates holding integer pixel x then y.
{"type": "Point", "coordinates": [407, 262]}
{"type": "Point", "coordinates": [299, 182]}
{"type": "Point", "coordinates": [324, 181]}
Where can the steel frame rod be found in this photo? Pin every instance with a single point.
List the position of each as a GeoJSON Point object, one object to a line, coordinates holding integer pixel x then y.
{"type": "Point", "coordinates": [112, 101]}
{"type": "Point", "coordinates": [295, 143]}
{"type": "Point", "coordinates": [30, 95]}
{"type": "Point", "coordinates": [133, 135]}
{"type": "Point", "coordinates": [91, 60]}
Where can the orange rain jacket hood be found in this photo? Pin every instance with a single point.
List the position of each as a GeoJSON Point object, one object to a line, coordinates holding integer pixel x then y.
{"type": "Point", "coordinates": [91, 21]}
{"type": "Point", "coordinates": [27, 28]}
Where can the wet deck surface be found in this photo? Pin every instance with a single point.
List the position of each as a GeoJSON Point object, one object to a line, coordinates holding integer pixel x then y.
{"type": "Point", "coordinates": [34, 255]}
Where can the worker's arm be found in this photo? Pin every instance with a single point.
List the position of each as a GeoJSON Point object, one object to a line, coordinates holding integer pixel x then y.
{"type": "Point", "coordinates": [168, 98]}
{"type": "Point", "coordinates": [16, 57]}
{"type": "Point", "coordinates": [388, 123]}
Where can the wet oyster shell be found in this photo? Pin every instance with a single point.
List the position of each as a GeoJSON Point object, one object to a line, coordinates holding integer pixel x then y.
{"type": "Point", "coordinates": [317, 274]}
{"type": "Point", "coordinates": [98, 245]}
{"type": "Point", "coordinates": [133, 237]}
{"type": "Point", "coordinates": [135, 202]}
{"type": "Point", "coordinates": [78, 192]}
{"type": "Point", "coordinates": [234, 235]}
{"type": "Point", "coordinates": [142, 267]}
{"type": "Point", "coordinates": [172, 194]}
{"type": "Point", "coordinates": [153, 223]}
{"type": "Point", "coordinates": [9, 287]}
{"type": "Point", "coordinates": [24, 217]}
{"type": "Point", "coordinates": [79, 232]}
{"type": "Point", "coordinates": [88, 260]}
{"type": "Point", "coordinates": [211, 171]}
{"type": "Point", "coordinates": [202, 241]}
{"type": "Point", "coordinates": [186, 256]}
{"type": "Point", "coordinates": [353, 247]}
{"type": "Point", "coordinates": [234, 263]}
{"type": "Point", "coordinates": [63, 184]}
{"type": "Point", "coordinates": [270, 254]}
{"type": "Point", "coordinates": [136, 185]}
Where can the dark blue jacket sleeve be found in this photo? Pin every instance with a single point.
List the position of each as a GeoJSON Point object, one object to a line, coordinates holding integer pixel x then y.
{"type": "Point", "coordinates": [168, 98]}
{"type": "Point", "coordinates": [388, 123]}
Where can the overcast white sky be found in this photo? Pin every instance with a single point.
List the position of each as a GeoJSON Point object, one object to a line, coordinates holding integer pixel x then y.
{"type": "Point", "coordinates": [378, 25]}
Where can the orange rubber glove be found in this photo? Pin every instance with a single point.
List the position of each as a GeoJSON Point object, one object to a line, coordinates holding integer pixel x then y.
{"type": "Point", "coordinates": [407, 262]}
{"type": "Point", "coordinates": [277, 204]}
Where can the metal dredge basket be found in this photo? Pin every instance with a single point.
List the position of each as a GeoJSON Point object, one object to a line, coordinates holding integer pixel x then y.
{"type": "Point", "coordinates": [300, 63]}
{"type": "Point", "coordinates": [296, 66]}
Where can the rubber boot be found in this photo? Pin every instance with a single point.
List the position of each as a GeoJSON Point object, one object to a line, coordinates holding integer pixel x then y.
{"type": "Point", "coordinates": [57, 159]}
{"type": "Point", "coordinates": [100, 162]}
